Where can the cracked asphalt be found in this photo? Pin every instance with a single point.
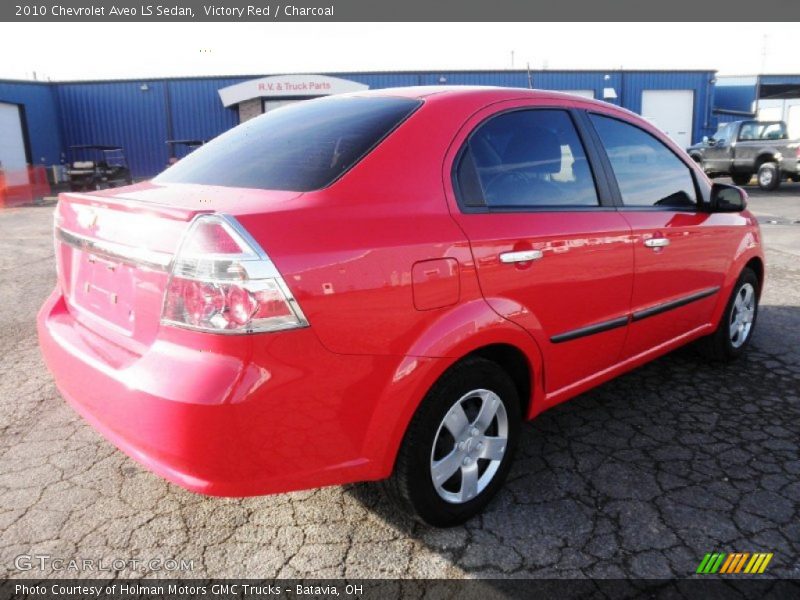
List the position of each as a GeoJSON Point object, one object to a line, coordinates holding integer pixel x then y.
{"type": "Point", "coordinates": [638, 478]}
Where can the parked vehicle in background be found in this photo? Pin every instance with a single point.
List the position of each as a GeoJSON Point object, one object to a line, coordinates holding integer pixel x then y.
{"type": "Point", "coordinates": [741, 149]}
{"type": "Point", "coordinates": [384, 285]}
{"type": "Point", "coordinates": [97, 167]}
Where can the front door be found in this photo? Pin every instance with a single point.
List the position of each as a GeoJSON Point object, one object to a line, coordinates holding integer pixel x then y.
{"type": "Point", "coordinates": [718, 155]}
{"type": "Point", "coordinates": [681, 253]}
{"type": "Point", "coordinates": [550, 254]}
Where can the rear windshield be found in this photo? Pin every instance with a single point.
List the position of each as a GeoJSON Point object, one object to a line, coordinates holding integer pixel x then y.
{"type": "Point", "coordinates": [301, 147]}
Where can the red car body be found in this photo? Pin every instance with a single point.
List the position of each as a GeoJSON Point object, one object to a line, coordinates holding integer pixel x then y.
{"type": "Point", "coordinates": [397, 283]}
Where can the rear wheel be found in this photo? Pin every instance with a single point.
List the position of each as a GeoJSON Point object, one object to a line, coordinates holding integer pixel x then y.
{"type": "Point", "coordinates": [736, 326]}
{"type": "Point", "coordinates": [459, 446]}
{"type": "Point", "coordinates": [741, 178]}
{"type": "Point", "coordinates": [769, 176]}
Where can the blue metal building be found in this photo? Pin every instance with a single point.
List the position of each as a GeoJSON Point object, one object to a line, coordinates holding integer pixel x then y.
{"type": "Point", "coordinates": [141, 115]}
{"type": "Point", "coordinates": [766, 97]}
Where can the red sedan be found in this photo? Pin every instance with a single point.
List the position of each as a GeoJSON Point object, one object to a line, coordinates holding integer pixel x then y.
{"type": "Point", "coordinates": [384, 285]}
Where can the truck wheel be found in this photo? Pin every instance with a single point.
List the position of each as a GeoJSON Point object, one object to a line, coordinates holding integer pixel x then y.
{"type": "Point", "coordinates": [741, 178]}
{"type": "Point", "coordinates": [735, 328]}
{"type": "Point", "coordinates": [459, 446]}
{"type": "Point", "coordinates": [769, 176]}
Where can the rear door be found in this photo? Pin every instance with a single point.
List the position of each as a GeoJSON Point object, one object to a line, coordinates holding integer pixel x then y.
{"type": "Point", "coordinates": [551, 253]}
{"type": "Point", "coordinates": [681, 253]}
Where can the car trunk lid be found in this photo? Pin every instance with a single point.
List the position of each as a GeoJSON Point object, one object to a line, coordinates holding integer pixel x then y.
{"type": "Point", "coordinates": [114, 251]}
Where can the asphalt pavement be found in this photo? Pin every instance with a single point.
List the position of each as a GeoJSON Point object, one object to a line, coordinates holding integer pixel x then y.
{"type": "Point", "coordinates": [638, 478]}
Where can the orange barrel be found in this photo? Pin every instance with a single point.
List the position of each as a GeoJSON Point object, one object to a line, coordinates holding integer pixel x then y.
{"type": "Point", "coordinates": [39, 184]}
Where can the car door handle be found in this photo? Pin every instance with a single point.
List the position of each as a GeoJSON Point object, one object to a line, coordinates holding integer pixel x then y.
{"type": "Point", "coordinates": [521, 256]}
{"type": "Point", "coordinates": [656, 242]}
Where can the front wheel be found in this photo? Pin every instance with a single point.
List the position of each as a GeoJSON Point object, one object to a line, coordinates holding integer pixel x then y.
{"type": "Point", "coordinates": [736, 326]}
{"type": "Point", "coordinates": [459, 446]}
{"type": "Point", "coordinates": [769, 176]}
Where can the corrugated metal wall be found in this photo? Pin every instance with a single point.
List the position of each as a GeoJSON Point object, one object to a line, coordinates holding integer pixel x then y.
{"type": "Point", "coordinates": [735, 95]}
{"type": "Point", "coordinates": [141, 121]}
{"type": "Point", "coordinates": [118, 113]}
{"type": "Point", "coordinates": [197, 112]}
{"type": "Point", "coordinates": [41, 115]}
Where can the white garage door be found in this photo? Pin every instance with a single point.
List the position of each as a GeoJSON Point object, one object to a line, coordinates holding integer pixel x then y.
{"type": "Point", "coordinates": [672, 111]}
{"type": "Point", "coordinates": [12, 145]}
{"type": "Point", "coordinates": [793, 118]}
{"type": "Point", "coordinates": [782, 110]}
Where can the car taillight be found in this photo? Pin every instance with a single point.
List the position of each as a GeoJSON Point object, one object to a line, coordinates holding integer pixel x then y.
{"type": "Point", "coordinates": [223, 282]}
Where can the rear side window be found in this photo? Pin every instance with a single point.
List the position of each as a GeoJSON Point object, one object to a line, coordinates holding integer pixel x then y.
{"type": "Point", "coordinates": [526, 159]}
{"type": "Point", "coordinates": [302, 147]}
{"type": "Point", "coordinates": [647, 172]}
{"type": "Point", "coordinates": [773, 131]}
{"type": "Point", "coordinates": [755, 130]}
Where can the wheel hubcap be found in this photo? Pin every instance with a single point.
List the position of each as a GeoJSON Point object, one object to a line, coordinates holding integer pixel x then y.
{"type": "Point", "coordinates": [742, 315]}
{"type": "Point", "coordinates": [469, 446]}
{"type": "Point", "coordinates": [766, 177]}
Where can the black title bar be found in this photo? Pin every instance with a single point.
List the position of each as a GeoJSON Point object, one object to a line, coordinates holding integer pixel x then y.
{"type": "Point", "coordinates": [391, 589]}
{"type": "Point", "coordinates": [399, 10]}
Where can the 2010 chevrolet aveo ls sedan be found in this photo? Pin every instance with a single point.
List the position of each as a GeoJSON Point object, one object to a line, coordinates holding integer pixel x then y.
{"type": "Point", "coordinates": [384, 285]}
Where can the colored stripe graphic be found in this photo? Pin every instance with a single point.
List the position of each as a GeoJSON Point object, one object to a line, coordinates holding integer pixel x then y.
{"type": "Point", "coordinates": [766, 562]}
{"type": "Point", "coordinates": [739, 566]}
{"type": "Point", "coordinates": [711, 563]}
{"type": "Point", "coordinates": [758, 563]}
{"type": "Point", "coordinates": [729, 563]}
{"type": "Point", "coordinates": [734, 563]}
{"type": "Point", "coordinates": [702, 567]}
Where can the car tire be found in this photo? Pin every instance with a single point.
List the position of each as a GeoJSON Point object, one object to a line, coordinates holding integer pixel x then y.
{"type": "Point", "coordinates": [449, 432]}
{"type": "Point", "coordinates": [769, 176]}
{"type": "Point", "coordinates": [741, 178]}
{"type": "Point", "coordinates": [735, 329]}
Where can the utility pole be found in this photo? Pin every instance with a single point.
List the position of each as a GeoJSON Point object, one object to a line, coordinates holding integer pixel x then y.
{"type": "Point", "coordinates": [512, 59]}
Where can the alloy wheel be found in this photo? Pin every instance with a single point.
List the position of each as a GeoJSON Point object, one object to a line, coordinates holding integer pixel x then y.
{"type": "Point", "coordinates": [742, 315]}
{"type": "Point", "coordinates": [469, 446]}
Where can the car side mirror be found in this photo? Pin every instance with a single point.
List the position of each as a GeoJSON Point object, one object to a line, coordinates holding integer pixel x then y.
{"type": "Point", "coordinates": [706, 140]}
{"type": "Point", "coordinates": [727, 198]}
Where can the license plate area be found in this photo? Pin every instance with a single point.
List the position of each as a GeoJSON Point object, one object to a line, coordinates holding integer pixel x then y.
{"type": "Point", "coordinates": [105, 289]}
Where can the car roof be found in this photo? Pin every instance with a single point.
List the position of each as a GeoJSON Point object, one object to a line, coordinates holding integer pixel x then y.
{"type": "Point", "coordinates": [479, 93]}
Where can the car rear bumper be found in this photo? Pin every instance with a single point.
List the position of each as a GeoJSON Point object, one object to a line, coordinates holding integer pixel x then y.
{"type": "Point", "coordinates": [221, 415]}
